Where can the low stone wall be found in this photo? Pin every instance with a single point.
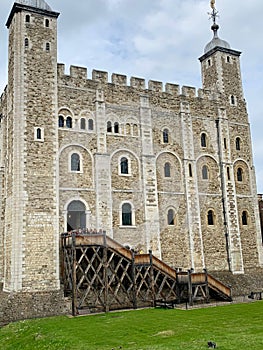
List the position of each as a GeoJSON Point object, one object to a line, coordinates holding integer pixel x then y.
{"type": "Point", "coordinates": [20, 306]}
{"type": "Point", "coordinates": [242, 285]}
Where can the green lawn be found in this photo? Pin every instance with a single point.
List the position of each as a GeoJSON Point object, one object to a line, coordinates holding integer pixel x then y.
{"type": "Point", "coordinates": [235, 326]}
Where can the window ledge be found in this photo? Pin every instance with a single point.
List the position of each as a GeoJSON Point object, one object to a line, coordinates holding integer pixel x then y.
{"type": "Point", "coordinates": [127, 226]}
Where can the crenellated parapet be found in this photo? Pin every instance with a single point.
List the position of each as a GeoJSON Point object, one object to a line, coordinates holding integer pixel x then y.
{"type": "Point", "coordinates": [78, 76]}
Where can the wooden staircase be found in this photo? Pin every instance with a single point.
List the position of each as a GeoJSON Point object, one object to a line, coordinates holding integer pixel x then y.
{"type": "Point", "coordinates": [99, 274]}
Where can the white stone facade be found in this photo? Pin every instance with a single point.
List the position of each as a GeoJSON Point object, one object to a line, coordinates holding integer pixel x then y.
{"type": "Point", "coordinates": [168, 170]}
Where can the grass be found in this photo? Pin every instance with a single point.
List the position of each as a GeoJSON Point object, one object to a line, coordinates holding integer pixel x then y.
{"type": "Point", "coordinates": [232, 327]}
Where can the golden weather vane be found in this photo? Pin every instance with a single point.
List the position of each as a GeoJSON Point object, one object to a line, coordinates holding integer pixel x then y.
{"type": "Point", "coordinates": [214, 12]}
{"type": "Point", "coordinates": [212, 4]}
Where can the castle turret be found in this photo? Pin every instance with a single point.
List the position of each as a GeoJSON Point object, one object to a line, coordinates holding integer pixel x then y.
{"type": "Point", "coordinates": [31, 209]}
{"type": "Point", "coordinates": [222, 76]}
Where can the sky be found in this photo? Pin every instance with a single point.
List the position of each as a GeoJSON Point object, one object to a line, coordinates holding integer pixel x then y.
{"type": "Point", "coordinates": [158, 40]}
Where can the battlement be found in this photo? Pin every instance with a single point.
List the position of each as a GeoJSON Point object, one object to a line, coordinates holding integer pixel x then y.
{"type": "Point", "coordinates": [79, 76]}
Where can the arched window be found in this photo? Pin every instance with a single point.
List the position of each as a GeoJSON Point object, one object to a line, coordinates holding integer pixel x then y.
{"type": "Point", "coordinates": [165, 136]}
{"type": "Point", "coordinates": [244, 218]}
{"type": "Point", "coordinates": [26, 42]}
{"type": "Point", "coordinates": [124, 166]}
{"type": "Point", "coordinates": [27, 19]}
{"type": "Point", "coordinates": [75, 162]}
{"type": "Point", "coordinates": [228, 59]}
{"type": "Point", "coordinates": [61, 121]}
{"type": "Point", "coordinates": [167, 170]}
{"type": "Point", "coordinates": [170, 217]}
{"type": "Point", "coordinates": [128, 129]}
{"type": "Point", "coordinates": [39, 134]}
{"type": "Point", "coordinates": [238, 143]}
{"type": "Point", "coordinates": [82, 123]}
{"type": "Point", "coordinates": [90, 124]}
{"type": "Point", "coordinates": [47, 23]}
{"type": "Point", "coordinates": [69, 122]}
{"type": "Point", "coordinates": [47, 46]}
{"type": "Point", "coordinates": [239, 174]}
{"type": "Point", "coordinates": [76, 215]}
{"type": "Point", "coordinates": [116, 127]}
{"type": "Point", "coordinates": [210, 217]}
{"type": "Point", "coordinates": [232, 100]}
{"type": "Point", "coordinates": [205, 172]}
{"type": "Point", "coordinates": [203, 140]}
{"type": "Point", "coordinates": [135, 130]}
{"type": "Point", "coordinates": [109, 127]}
{"type": "Point", "coordinates": [126, 214]}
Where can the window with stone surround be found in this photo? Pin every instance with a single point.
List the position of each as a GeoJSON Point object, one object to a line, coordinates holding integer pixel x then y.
{"type": "Point", "coordinates": [116, 127]}
{"type": "Point", "coordinates": [26, 43]}
{"type": "Point", "coordinates": [239, 174]}
{"type": "Point", "coordinates": [167, 169]}
{"type": "Point", "coordinates": [109, 126]}
{"type": "Point", "coordinates": [238, 144]}
{"type": "Point", "coordinates": [60, 121]}
{"type": "Point", "coordinates": [39, 134]}
{"type": "Point", "coordinates": [127, 214]}
{"type": "Point", "coordinates": [165, 136]}
{"type": "Point", "coordinates": [27, 18]}
{"type": "Point", "coordinates": [69, 122]}
{"type": "Point", "coordinates": [47, 23]}
{"type": "Point", "coordinates": [203, 140]}
{"type": "Point", "coordinates": [82, 123]}
{"type": "Point", "coordinates": [210, 217]}
{"type": "Point", "coordinates": [205, 172]}
{"type": "Point", "coordinates": [244, 218]}
{"type": "Point", "coordinates": [233, 101]}
{"type": "Point", "coordinates": [91, 124]}
{"type": "Point", "coordinates": [171, 217]}
{"type": "Point", "coordinates": [75, 162]}
{"type": "Point", "coordinates": [124, 166]}
{"type": "Point", "coordinates": [47, 46]}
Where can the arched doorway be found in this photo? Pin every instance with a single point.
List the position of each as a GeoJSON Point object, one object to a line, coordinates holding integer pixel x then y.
{"type": "Point", "coordinates": [76, 215]}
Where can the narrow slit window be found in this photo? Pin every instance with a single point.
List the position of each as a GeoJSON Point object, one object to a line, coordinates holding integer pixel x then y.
{"type": "Point", "coordinates": [205, 172]}
{"type": "Point", "coordinates": [203, 140]}
{"type": "Point", "coordinates": [244, 218]}
{"type": "Point", "coordinates": [210, 217]}
{"type": "Point", "coordinates": [165, 136]}
{"type": "Point", "coordinates": [82, 123]}
{"type": "Point", "coordinates": [47, 46]}
{"type": "Point", "coordinates": [170, 217]}
{"type": "Point", "coordinates": [190, 170]}
{"type": "Point", "coordinates": [47, 23]}
{"type": "Point", "coordinates": [26, 42]}
{"type": "Point", "coordinates": [167, 170]}
{"type": "Point", "coordinates": [39, 134]}
{"type": "Point", "coordinates": [27, 18]}
{"type": "Point", "coordinates": [238, 144]}
{"type": "Point", "coordinates": [239, 175]}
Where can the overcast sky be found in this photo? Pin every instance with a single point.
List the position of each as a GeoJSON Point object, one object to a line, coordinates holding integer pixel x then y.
{"type": "Point", "coordinates": [158, 40]}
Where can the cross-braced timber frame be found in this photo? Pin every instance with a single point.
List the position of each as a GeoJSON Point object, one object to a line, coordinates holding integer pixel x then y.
{"type": "Point", "coordinates": [99, 274]}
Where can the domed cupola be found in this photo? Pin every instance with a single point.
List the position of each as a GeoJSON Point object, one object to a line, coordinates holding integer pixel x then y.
{"type": "Point", "coordinates": [40, 4]}
{"type": "Point", "coordinates": [216, 41]}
